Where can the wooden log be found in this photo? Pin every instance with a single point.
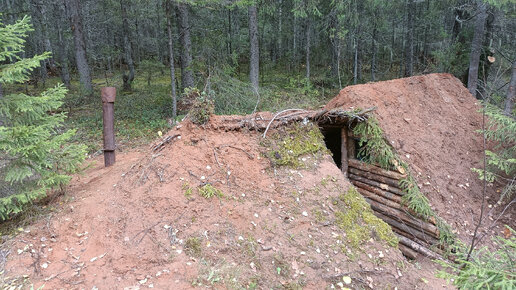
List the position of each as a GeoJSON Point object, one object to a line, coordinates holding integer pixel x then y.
{"type": "Point", "coordinates": [405, 218]}
{"type": "Point", "coordinates": [344, 151]}
{"type": "Point", "coordinates": [352, 154]}
{"type": "Point", "coordinates": [382, 186]}
{"type": "Point", "coordinates": [419, 248]}
{"type": "Point", "coordinates": [375, 177]}
{"type": "Point", "coordinates": [408, 252]}
{"type": "Point", "coordinates": [379, 199]}
{"type": "Point", "coordinates": [375, 169]}
{"type": "Point", "coordinates": [407, 229]}
{"type": "Point", "coordinates": [384, 194]}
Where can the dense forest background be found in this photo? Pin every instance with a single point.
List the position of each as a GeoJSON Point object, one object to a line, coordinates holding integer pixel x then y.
{"type": "Point", "coordinates": [248, 55]}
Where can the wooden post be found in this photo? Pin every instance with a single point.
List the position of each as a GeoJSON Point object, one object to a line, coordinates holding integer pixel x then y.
{"type": "Point", "coordinates": [344, 151]}
{"type": "Point", "coordinates": [108, 99]}
{"type": "Point", "coordinates": [351, 146]}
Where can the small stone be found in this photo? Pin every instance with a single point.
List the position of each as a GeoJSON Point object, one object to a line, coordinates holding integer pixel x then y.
{"type": "Point", "coordinates": [305, 213]}
{"type": "Point", "coordinates": [143, 281]}
{"type": "Point", "coordinates": [44, 265]}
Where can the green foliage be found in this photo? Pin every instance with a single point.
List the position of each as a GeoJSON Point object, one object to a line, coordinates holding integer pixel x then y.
{"type": "Point", "coordinates": [32, 141]}
{"type": "Point", "coordinates": [150, 67]}
{"type": "Point", "coordinates": [376, 150]}
{"type": "Point", "coordinates": [487, 268]}
{"type": "Point", "coordinates": [208, 191]}
{"type": "Point", "coordinates": [501, 163]}
{"type": "Point", "coordinates": [357, 219]}
{"type": "Point", "coordinates": [201, 110]}
{"type": "Point", "coordinates": [287, 145]}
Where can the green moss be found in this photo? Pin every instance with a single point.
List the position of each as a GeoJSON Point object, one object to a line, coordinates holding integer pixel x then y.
{"type": "Point", "coordinates": [288, 145]}
{"type": "Point", "coordinates": [356, 218]}
{"type": "Point", "coordinates": [209, 191]}
{"type": "Point", "coordinates": [376, 150]}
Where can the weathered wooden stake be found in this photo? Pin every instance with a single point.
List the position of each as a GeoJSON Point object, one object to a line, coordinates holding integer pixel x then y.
{"type": "Point", "coordinates": [344, 151]}
{"type": "Point", "coordinates": [108, 99]}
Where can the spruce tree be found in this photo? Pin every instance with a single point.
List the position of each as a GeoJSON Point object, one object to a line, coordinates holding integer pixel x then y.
{"type": "Point", "coordinates": [35, 152]}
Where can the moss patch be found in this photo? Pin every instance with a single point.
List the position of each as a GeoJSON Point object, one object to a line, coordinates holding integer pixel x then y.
{"type": "Point", "coordinates": [357, 219]}
{"type": "Point", "coordinates": [286, 146]}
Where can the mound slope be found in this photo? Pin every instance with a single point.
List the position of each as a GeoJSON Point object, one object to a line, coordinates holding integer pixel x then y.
{"type": "Point", "coordinates": [143, 223]}
{"type": "Point", "coordinates": [431, 121]}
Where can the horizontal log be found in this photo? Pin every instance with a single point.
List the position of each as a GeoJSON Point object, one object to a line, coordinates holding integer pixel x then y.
{"type": "Point", "coordinates": [375, 169]}
{"type": "Point", "coordinates": [375, 177]}
{"type": "Point", "coordinates": [408, 252]}
{"type": "Point", "coordinates": [419, 248]}
{"type": "Point", "coordinates": [405, 218]}
{"type": "Point", "coordinates": [408, 229]}
{"type": "Point", "coordinates": [376, 184]}
{"type": "Point", "coordinates": [384, 194]}
{"type": "Point", "coordinates": [379, 199]}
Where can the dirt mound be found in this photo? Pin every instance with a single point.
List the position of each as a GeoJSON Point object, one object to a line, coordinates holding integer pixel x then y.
{"type": "Point", "coordinates": [431, 121]}
{"type": "Point", "coordinates": [207, 209]}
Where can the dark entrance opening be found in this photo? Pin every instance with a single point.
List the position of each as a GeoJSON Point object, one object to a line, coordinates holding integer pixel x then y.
{"type": "Point", "coordinates": [333, 141]}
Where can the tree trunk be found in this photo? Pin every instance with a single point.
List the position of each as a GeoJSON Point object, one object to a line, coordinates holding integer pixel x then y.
{"type": "Point", "coordinates": [280, 28]}
{"type": "Point", "coordinates": [307, 49]}
{"type": "Point", "coordinates": [171, 56]}
{"type": "Point", "coordinates": [254, 62]}
{"type": "Point", "coordinates": [409, 44]}
{"type": "Point", "coordinates": [187, 80]}
{"type": "Point", "coordinates": [42, 16]}
{"type": "Point", "coordinates": [62, 48]}
{"type": "Point", "coordinates": [511, 93]}
{"type": "Point", "coordinates": [476, 48]}
{"type": "Point", "coordinates": [373, 52]}
{"type": "Point", "coordinates": [355, 63]}
{"type": "Point", "coordinates": [127, 78]}
{"type": "Point", "coordinates": [73, 8]}
{"type": "Point", "coordinates": [158, 33]}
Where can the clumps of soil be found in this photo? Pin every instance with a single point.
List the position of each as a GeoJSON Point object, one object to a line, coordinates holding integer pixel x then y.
{"type": "Point", "coordinates": [145, 222]}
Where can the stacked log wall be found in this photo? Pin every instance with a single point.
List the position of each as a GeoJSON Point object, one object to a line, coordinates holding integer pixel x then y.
{"type": "Point", "coordinates": [381, 190]}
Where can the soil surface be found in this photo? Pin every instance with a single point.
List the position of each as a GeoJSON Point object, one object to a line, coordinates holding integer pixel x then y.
{"type": "Point", "coordinates": [432, 123]}
{"type": "Point", "coordinates": [142, 224]}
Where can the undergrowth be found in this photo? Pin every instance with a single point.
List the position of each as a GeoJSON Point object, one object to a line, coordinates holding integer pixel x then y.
{"type": "Point", "coordinates": [355, 216]}
{"type": "Point", "coordinates": [287, 146]}
{"type": "Point", "coordinates": [486, 269]}
{"type": "Point", "coordinates": [376, 150]}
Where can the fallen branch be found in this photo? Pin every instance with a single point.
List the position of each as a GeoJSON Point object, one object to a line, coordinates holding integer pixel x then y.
{"type": "Point", "coordinates": [158, 147]}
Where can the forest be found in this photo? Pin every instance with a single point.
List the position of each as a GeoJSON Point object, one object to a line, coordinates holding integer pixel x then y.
{"type": "Point", "coordinates": [224, 45]}
{"type": "Point", "coordinates": [412, 101]}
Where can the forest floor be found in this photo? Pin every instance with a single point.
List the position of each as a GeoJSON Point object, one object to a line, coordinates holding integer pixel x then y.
{"type": "Point", "coordinates": [210, 209]}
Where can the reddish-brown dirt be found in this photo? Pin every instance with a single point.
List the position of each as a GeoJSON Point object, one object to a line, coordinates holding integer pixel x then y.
{"type": "Point", "coordinates": [134, 226]}
{"type": "Point", "coordinates": [431, 121]}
